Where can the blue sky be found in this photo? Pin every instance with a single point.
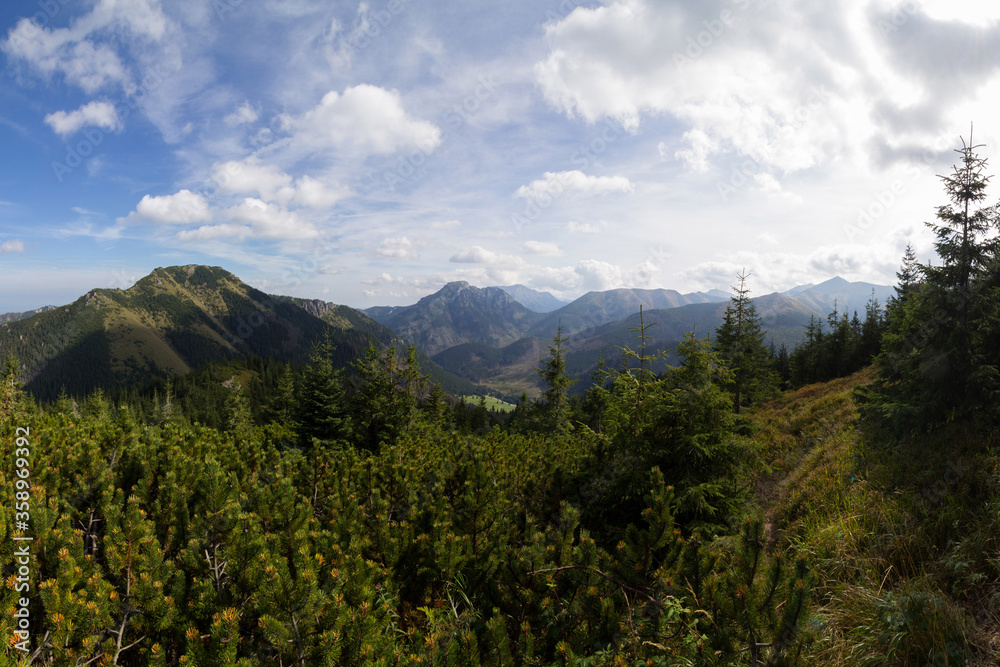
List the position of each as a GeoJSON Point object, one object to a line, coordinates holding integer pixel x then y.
{"type": "Point", "coordinates": [367, 153]}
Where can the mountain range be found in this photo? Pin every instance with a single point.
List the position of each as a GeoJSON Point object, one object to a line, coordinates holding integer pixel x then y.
{"type": "Point", "coordinates": [469, 338]}
{"type": "Point", "coordinates": [490, 336]}
{"type": "Point", "coordinates": [177, 319]}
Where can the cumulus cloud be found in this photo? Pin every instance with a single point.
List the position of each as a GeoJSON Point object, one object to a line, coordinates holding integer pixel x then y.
{"type": "Point", "coordinates": [244, 115]}
{"type": "Point", "coordinates": [776, 271]}
{"type": "Point", "coordinates": [92, 114]}
{"type": "Point", "coordinates": [317, 194]}
{"type": "Point", "coordinates": [553, 184]}
{"type": "Point", "coordinates": [254, 219]}
{"type": "Point", "coordinates": [72, 51]}
{"type": "Point", "coordinates": [398, 248]}
{"type": "Point", "coordinates": [251, 176]}
{"type": "Point", "coordinates": [11, 246]}
{"type": "Point", "coordinates": [268, 221]}
{"type": "Point", "coordinates": [542, 248]}
{"type": "Point", "coordinates": [215, 232]}
{"type": "Point", "coordinates": [474, 255]}
{"type": "Point", "coordinates": [864, 71]}
{"type": "Point", "coordinates": [597, 275]}
{"type": "Point", "coordinates": [183, 208]}
{"type": "Point", "coordinates": [365, 119]}
{"type": "Point", "coordinates": [479, 255]}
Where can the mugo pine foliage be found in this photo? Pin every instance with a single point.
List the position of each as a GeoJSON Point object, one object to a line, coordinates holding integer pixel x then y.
{"type": "Point", "coordinates": [350, 522]}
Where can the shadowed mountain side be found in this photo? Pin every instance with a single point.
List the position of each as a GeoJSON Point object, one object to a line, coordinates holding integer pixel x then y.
{"type": "Point", "coordinates": [356, 329]}
{"type": "Point", "coordinates": [177, 319]}
{"type": "Point", "coordinates": [594, 309]}
{"type": "Point", "coordinates": [512, 369]}
{"type": "Point", "coordinates": [458, 313]}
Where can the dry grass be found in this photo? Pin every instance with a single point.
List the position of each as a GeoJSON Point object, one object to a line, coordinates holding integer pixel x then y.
{"type": "Point", "coordinates": [904, 542]}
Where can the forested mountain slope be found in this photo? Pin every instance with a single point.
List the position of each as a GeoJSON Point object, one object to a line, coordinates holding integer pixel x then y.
{"type": "Point", "coordinates": [171, 321]}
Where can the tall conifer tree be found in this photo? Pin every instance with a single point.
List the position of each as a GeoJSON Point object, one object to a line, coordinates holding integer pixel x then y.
{"type": "Point", "coordinates": [739, 340]}
{"type": "Point", "coordinates": [321, 412]}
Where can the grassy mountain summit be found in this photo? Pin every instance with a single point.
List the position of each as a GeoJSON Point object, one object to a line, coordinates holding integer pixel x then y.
{"type": "Point", "coordinates": [170, 322]}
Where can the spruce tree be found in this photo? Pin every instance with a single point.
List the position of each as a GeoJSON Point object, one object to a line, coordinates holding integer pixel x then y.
{"type": "Point", "coordinates": [321, 411]}
{"type": "Point", "coordinates": [385, 404]}
{"type": "Point", "coordinates": [963, 224]}
{"type": "Point", "coordinates": [739, 340]}
{"type": "Point", "coordinates": [936, 361]}
{"type": "Point", "coordinates": [908, 274]}
{"type": "Point", "coordinates": [556, 408]}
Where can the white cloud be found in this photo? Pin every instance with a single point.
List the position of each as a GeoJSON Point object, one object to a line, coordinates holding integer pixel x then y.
{"type": "Point", "coordinates": [776, 271]}
{"type": "Point", "coordinates": [316, 194]}
{"type": "Point", "coordinates": [791, 88]}
{"type": "Point", "coordinates": [92, 114]}
{"type": "Point", "coordinates": [268, 221]}
{"type": "Point", "coordinates": [61, 50]}
{"type": "Point", "coordinates": [542, 248]}
{"type": "Point", "coordinates": [554, 184]}
{"type": "Point", "coordinates": [214, 232]}
{"type": "Point", "coordinates": [74, 51]}
{"type": "Point", "coordinates": [575, 227]}
{"type": "Point", "coordinates": [479, 255]}
{"type": "Point", "coordinates": [251, 176]}
{"type": "Point", "coordinates": [244, 115]}
{"type": "Point", "coordinates": [474, 255]}
{"type": "Point", "coordinates": [597, 275]}
{"type": "Point", "coordinates": [141, 18]}
{"type": "Point", "coordinates": [11, 246]}
{"type": "Point", "coordinates": [183, 208]}
{"type": "Point", "coordinates": [397, 248]}
{"type": "Point", "coordinates": [366, 119]}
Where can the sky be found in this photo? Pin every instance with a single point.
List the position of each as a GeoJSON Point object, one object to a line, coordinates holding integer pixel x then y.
{"type": "Point", "coordinates": [367, 153]}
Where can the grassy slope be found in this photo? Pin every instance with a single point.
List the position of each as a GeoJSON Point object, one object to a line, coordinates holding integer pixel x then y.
{"type": "Point", "coordinates": [904, 537]}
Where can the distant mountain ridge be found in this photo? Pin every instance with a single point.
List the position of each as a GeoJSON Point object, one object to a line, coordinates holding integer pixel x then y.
{"type": "Point", "coordinates": [14, 317]}
{"type": "Point", "coordinates": [458, 313]}
{"type": "Point", "coordinates": [176, 319]}
{"type": "Point", "coordinates": [539, 302]}
{"type": "Point", "coordinates": [503, 351]}
{"type": "Point", "coordinates": [594, 309]}
{"type": "Point", "coordinates": [846, 297]}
